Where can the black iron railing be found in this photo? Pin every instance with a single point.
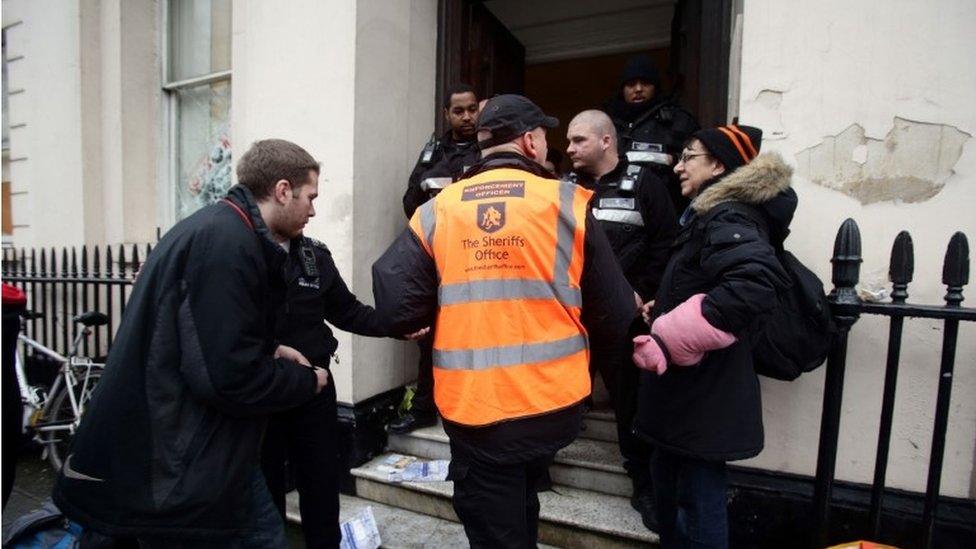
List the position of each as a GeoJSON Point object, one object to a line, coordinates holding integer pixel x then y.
{"type": "Point", "coordinates": [63, 283]}
{"type": "Point", "coordinates": [848, 308]}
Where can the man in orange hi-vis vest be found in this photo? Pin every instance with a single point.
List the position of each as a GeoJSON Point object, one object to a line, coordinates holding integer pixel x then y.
{"type": "Point", "coordinates": [522, 288]}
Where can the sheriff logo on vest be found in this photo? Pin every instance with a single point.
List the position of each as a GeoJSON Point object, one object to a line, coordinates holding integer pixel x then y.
{"type": "Point", "coordinates": [491, 216]}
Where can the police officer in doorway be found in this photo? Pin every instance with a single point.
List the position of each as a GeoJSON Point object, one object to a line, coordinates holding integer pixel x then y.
{"type": "Point", "coordinates": [444, 159]}
{"type": "Point", "coordinates": [307, 436]}
{"type": "Point", "coordinates": [651, 127]}
{"type": "Point", "coordinates": [441, 162]}
{"type": "Point", "coordinates": [632, 205]}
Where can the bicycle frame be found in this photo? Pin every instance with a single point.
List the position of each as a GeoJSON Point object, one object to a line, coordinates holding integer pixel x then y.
{"type": "Point", "coordinates": [34, 397]}
{"type": "Point", "coordinates": [40, 406]}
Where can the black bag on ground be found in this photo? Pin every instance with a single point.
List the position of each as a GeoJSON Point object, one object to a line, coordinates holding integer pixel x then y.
{"type": "Point", "coordinates": [796, 335]}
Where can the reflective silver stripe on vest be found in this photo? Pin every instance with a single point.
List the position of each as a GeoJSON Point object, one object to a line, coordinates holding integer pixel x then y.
{"type": "Point", "coordinates": [630, 217]}
{"type": "Point", "coordinates": [510, 355]}
{"type": "Point", "coordinates": [497, 290]}
{"type": "Point", "coordinates": [565, 237]}
{"type": "Point", "coordinates": [428, 222]}
{"type": "Point", "coordinates": [435, 183]}
{"type": "Point", "coordinates": [649, 157]}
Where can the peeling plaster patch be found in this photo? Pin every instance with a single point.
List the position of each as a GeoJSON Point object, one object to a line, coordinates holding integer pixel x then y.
{"type": "Point", "coordinates": [911, 164]}
{"type": "Point", "coordinates": [767, 115]}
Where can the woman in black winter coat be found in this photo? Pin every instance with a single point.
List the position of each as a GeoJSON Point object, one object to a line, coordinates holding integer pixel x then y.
{"type": "Point", "coordinates": [699, 398]}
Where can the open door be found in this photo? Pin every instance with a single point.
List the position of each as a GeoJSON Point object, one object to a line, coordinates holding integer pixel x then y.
{"type": "Point", "coordinates": [700, 42]}
{"type": "Point", "coordinates": [474, 47]}
{"type": "Point", "coordinates": [690, 40]}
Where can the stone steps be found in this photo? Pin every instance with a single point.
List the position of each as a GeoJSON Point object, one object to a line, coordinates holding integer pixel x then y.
{"type": "Point", "coordinates": [570, 517]}
{"type": "Point", "coordinates": [600, 425]}
{"type": "Point", "coordinates": [399, 528]}
{"type": "Point", "coordinates": [587, 464]}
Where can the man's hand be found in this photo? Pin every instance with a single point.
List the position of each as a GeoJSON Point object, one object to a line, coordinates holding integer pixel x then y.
{"type": "Point", "coordinates": [292, 354]}
{"type": "Point", "coordinates": [418, 334]}
{"type": "Point", "coordinates": [321, 378]}
{"type": "Point", "coordinates": [645, 310]}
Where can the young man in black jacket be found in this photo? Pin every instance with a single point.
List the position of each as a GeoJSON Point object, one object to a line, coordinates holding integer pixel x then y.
{"type": "Point", "coordinates": [168, 449]}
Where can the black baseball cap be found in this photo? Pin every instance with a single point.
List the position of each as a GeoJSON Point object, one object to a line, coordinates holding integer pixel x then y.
{"type": "Point", "coordinates": [509, 116]}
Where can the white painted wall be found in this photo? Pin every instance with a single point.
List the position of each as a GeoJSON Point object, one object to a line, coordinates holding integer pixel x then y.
{"type": "Point", "coordinates": [395, 64]}
{"type": "Point", "coordinates": [45, 118]}
{"type": "Point", "coordinates": [84, 77]}
{"type": "Point", "coordinates": [351, 83]}
{"type": "Point", "coordinates": [811, 70]}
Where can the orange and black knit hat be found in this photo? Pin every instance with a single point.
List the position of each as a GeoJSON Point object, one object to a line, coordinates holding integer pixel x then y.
{"type": "Point", "coordinates": [732, 145]}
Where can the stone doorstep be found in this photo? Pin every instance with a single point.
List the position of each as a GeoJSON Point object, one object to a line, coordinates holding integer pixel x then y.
{"type": "Point", "coordinates": [586, 463]}
{"type": "Point", "coordinates": [570, 517]}
{"type": "Point", "coordinates": [398, 527]}
{"type": "Point", "coordinates": [600, 425]}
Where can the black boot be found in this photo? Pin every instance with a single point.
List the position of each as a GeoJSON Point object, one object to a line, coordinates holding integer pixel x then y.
{"type": "Point", "coordinates": [643, 502]}
{"type": "Point", "coordinates": [412, 420]}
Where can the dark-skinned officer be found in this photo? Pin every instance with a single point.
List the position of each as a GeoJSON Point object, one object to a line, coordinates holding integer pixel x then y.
{"type": "Point", "coordinates": [441, 162]}
{"type": "Point", "coordinates": [651, 126]}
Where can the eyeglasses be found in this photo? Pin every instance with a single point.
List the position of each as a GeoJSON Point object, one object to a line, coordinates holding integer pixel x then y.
{"type": "Point", "coordinates": [685, 157]}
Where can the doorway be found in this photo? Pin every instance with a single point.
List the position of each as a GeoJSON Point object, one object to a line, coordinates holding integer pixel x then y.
{"type": "Point", "coordinates": [567, 55]}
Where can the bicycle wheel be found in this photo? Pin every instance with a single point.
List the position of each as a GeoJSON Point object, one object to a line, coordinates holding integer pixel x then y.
{"type": "Point", "coordinates": [57, 442]}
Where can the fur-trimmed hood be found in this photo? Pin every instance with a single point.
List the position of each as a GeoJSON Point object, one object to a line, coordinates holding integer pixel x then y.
{"type": "Point", "coordinates": [764, 182]}
{"type": "Point", "coordinates": [754, 183]}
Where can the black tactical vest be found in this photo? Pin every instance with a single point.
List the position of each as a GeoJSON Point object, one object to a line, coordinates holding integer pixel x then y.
{"type": "Point", "coordinates": [617, 208]}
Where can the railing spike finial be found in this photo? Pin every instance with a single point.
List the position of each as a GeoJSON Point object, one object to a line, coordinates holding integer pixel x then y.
{"type": "Point", "coordinates": [122, 263]}
{"type": "Point", "coordinates": [955, 269]}
{"type": "Point", "coordinates": [901, 268]}
{"type": "Point", "coordinates": [136, 264]}
{"type": "Point", "coordinates": [846, 261]}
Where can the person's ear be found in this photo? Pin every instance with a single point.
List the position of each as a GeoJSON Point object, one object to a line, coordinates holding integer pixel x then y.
{"type": "Point", "coordinates": [282, 191]}
{"type": "Point", "coordinates": [718, 169]}
{"type": "Point", "coordinates": [529, 145]}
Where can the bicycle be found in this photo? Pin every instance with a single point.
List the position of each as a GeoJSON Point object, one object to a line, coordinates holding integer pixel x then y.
{"type": "Point", "coordinates": [52, 415]}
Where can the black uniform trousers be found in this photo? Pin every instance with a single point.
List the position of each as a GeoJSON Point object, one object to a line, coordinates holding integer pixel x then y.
{"type": "Point", "coordinates": [423, 397]}
{"type": "Point", "coordinates": [307, 438]}
{"type": "Point", "coordinates": [622, 378]}
{"type": "Point", "coordinates": [498, 504]}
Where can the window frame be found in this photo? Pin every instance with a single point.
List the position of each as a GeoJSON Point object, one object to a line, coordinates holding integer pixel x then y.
{"type": "Point", "coordinates": [170, 89]}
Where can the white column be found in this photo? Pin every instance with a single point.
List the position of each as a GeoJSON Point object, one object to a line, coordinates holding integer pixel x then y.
{"type": "Point", "coordinates": [350, 82]}
{"type": "Point", "coordinates": [395, 73]}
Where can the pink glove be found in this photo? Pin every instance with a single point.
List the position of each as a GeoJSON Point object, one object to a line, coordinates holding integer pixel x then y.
{"type": "Point", "coordinates": [648, 355]}
{"type": "Point", "coordinates": [687, 335]}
